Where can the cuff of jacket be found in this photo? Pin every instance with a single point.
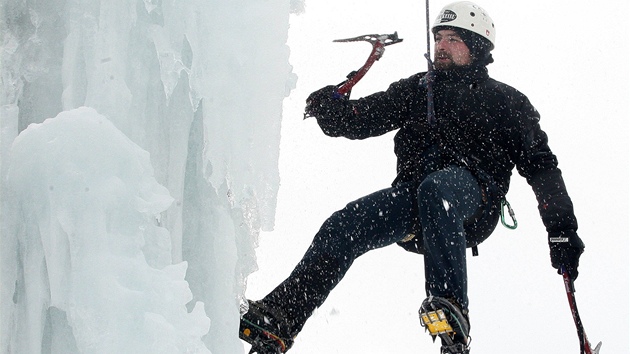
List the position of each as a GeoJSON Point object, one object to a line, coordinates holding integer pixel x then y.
{"type": "Point", "coordinates": [566, 238]}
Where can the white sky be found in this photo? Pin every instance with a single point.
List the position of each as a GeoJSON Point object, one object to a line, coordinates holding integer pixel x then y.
{"type": "Point", "coordinates": [574, 71]}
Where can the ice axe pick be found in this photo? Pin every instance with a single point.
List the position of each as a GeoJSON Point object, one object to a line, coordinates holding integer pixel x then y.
{"type": "Point", "coordinates": [379, 42]}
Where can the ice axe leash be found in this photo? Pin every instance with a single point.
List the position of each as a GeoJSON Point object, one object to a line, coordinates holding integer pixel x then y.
{"type": "Point", "coordinates": [585, 346]}
{"type": "Point", "coordinates": [379, 42]}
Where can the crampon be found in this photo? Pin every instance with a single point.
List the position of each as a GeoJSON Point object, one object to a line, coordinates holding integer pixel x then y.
{"type": "Point", "coordinates": [443, 319]}
{"type": "Point", "coordinates": [265, 328]}
{"type": "Point", "coordinates": [262, 341]}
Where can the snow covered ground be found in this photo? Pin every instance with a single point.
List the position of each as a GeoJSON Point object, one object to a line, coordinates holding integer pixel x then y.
{"type": "Point", "coordinates": [132, 225]}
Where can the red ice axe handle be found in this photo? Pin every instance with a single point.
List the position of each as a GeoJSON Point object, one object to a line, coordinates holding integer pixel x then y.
{"type": "Point", "coordinates": [378, 49]}
{"type": "Point", "coordinates": [585, 346]}
{"type": "Point", "coordinates": [379, 42]}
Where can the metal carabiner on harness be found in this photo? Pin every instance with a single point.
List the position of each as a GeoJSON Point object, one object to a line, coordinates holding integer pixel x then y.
{"type": "Point", "coordinates": [505, 203]}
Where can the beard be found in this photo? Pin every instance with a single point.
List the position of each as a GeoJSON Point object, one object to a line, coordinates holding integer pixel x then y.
{"type": "Point", "coordinates": [443, 64]}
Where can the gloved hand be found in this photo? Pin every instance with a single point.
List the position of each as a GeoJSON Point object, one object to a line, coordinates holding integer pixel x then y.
{"type": "Point", "coordinates": [565, 250]}
{"type": "Point", "coordinates": [326, 103]}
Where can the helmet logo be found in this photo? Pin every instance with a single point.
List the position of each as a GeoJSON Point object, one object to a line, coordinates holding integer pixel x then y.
{"type": "Point", "coordinates": [447, 16]}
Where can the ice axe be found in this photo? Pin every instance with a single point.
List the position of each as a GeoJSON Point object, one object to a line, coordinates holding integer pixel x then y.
{"type": "Point", "coordinates": [379, 42]}
{"type": "Point", "coordinates": [585, 346]}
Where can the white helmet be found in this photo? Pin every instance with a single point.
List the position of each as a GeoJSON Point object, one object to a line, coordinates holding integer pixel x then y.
{"type": "Point", "coordinates": [469, 16]}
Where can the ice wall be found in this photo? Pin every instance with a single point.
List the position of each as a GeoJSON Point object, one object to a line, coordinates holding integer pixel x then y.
{"type": "Point", "coordinates": [94, 270]}
{"type": "Point", "coordinates": [199, 86]}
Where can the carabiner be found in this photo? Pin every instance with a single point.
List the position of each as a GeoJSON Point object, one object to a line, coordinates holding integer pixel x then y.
{"type": "Point", "coordinates": [514, 225]}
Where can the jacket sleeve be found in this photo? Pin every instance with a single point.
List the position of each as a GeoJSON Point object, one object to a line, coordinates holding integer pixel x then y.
{"type": "Point", "coordinates": [372, 115]}
{"type": "Point", "coordinates": [536, 162]}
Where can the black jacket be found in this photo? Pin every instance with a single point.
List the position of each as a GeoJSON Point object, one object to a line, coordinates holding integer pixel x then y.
{"type": "Point", "coordinates": [481, 123]}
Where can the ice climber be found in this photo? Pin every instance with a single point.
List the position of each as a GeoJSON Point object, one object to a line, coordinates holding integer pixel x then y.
{"type": "Point", "coordinates": [453, 173]}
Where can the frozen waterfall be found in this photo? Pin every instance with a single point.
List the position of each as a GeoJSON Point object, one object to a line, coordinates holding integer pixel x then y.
{"type": "Point", "coordinates": [145, 166]}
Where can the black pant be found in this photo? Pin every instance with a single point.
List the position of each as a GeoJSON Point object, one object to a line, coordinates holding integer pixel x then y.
{"type": "Point", "coordinates": [440, 205]}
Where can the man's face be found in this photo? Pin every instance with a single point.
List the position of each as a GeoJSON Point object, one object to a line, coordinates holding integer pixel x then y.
{"type": "Point", "coordinates": [450, 50]}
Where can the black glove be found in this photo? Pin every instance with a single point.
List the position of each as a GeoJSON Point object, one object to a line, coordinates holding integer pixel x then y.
{"type": "Point", "coordinates": [326, 103]}
{"type": "Point", "coordinates": [565, 250]}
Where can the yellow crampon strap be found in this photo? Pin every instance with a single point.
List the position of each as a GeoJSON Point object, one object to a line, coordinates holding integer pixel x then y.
{"type": "Point", "coordinates": [436, 323]}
